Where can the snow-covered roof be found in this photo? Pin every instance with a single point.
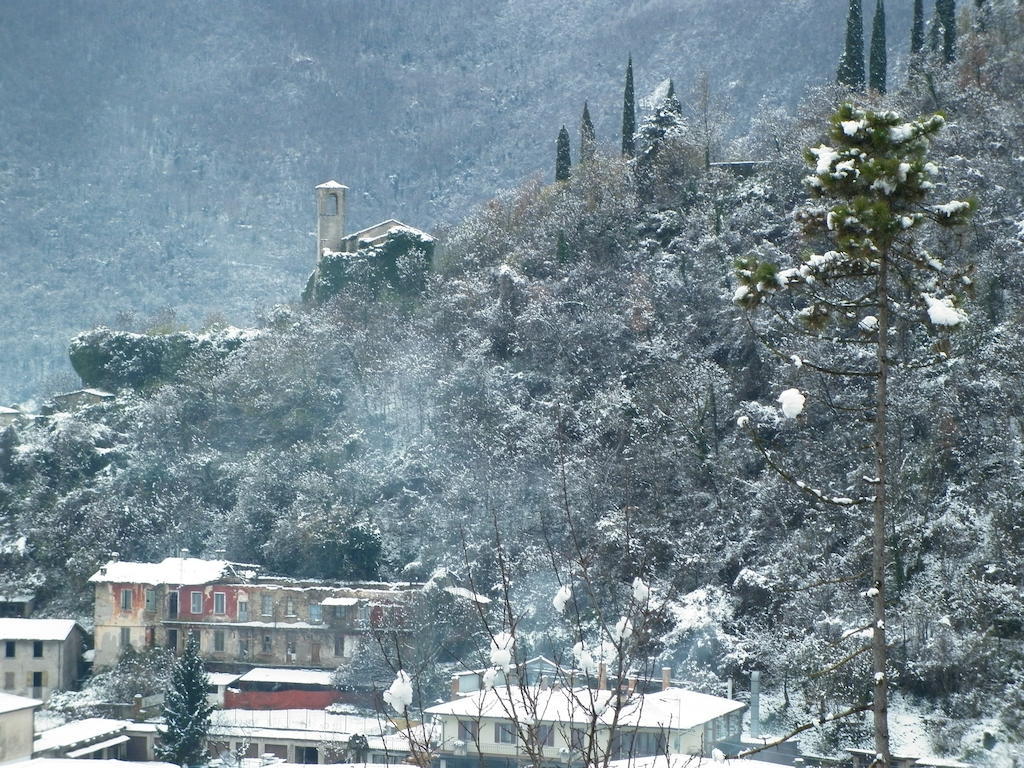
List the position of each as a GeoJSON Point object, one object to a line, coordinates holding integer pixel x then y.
{"type": "Point", "coordinates": [687, 761]}
{"type": "Point", "coordinates": [77, 732]}
{"type": "Point", "coordinates": [90, 749]}
{"type": "Point", "coordinates": [671, 709]}
{"type": "Point", "coordinates": [171, 570]}
{"type": "Point", "coordinates": [10, 411]}
{"type": "Point", "coordinates": [467, 594]}
{"type": "Point", "coordinates": [66, 762]}
{"type": "Point", "coordinates": [296, 724]}
{"type": "Point", "coordinates": [287, 675]}
{"type": "Point", "coordinates": [36, 629]}
{"type": "Point", "coordinates": [332, 184]}
{"type": "Point", "coordinates": [340, 601]}
{"type": "Point", "coordinates": [11, 703]}
{"type": "Point", "coordinates": [222, 678]}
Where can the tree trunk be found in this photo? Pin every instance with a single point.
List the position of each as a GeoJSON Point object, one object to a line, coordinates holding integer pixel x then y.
{"type": "Point", "coordinates": [879, 651]}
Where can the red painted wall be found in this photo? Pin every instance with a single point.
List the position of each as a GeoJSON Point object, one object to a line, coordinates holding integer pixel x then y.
{"type": "Point", "coordinates": [280, 699]}
{"type": "Point", "coordinates": [230, 600]}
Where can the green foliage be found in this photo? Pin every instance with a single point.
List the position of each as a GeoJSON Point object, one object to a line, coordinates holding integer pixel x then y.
{"type": "Point", "coordinates": [877, 62]}
{"type": "Point", "coordinates": [588, 139]}
{"type": "Point", "coordinates": [851, 65]}
{"type": "Point", "coordinates": [399, 267]}
{"type": "Point", "coordinates": [118, 359]}
{"type": "Point", "coordinates": [628, 114]}
{"type": "Point", "coordinates": [186, 711]}
{"type": "Point", "coordinates": [563, 161]}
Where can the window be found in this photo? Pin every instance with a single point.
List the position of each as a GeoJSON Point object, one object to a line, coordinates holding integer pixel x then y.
{"type": "Point", "coordinates": [218, 640]}
{"type": "Point", "coordinates": [243, 610]}
{"type": "Point", "coordinates": [467, 730]}
{"type": "Point", "coordinates": [9, 648]}
{"type": "Point", "coordinates": [126, 637]}
{"type": "Point", "coordinates": [38, 681]}
{"type": "Point", "coordinates": [364, 613]}
{"type": "Point", "coordinates": [329, 205]}
{"type": "Point", "coordinates": [220, 601]}
{"type": "Point", "coordinates": [197, 602]}
{"type": "Point", "coordinates": [341, 611]}
{"type": "Point", "coordinates": [546, 735]}
{"type": "Point", "coordinates": [8, 681]}
{"type": "Point", "coordinates": [289, 649]}
{"type": "Point", "coordinates": [150, 599]}
{"type": "Point", "coordinates": [268, 644]}
{"type": "Point", "coordinates": [315, 613]}
{"type": "Point", "coordinates": [339, 645]}
{"type": "Point", "coordinates": [289, 606]}
{"type": "Point", "coordinates": [37, 649]}
{"type": "Point", "coordinates": [578, 740]}
{"type": "Point", "coordinates": [266, 605]}
{"type": "Point", "coordinates": [243, 647]}
{"type": "Point", "coordinates": [126, 599]}
{"type": "Point", "coordinates": [504, 732]}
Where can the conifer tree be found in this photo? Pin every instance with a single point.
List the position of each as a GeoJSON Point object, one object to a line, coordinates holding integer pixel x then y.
{"type": "Point", "coordinates": [628, 114]}
{"type": "Point", "coordinates": [186, 710]}
{"type": "Point", "coordinates": [917, 30]}
{"type": "Point", "coordinates": [946, 11]}
{"type": "Point", "coordinates": [563, 163]}
{"type": "Point", "coordinates": [871, 187]}
{"type": "Point", "coordinates": [877, 63]}
{"type": "Point", "coordinates": [588, 139]}
{"type": "Point", "coordinates": [851, 65]}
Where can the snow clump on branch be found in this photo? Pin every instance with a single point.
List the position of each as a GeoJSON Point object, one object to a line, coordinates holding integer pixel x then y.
{"type": "Point", "coordinates": [501, 651]}
{"type": "Point", "coordinates": [399, 694]}
{"type": "Point", "coordinates": [792, 403]}
{"type": "Point", "coordinates": [562, 596]}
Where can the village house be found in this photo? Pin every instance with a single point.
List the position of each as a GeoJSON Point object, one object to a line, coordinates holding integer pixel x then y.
{"type": "Point", "coordinates": [17, 717]}
{"type": "Point", "coordinates": [486, 727]}
{"type": "Point", "coordinates": [38, 656]}
{"type": "Point", "coordinates": [242, 617]}
{"type": "Point", "coordinates": [304, 736]}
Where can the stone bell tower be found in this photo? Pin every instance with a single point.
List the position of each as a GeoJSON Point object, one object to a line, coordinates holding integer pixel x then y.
{"type": "Point", "coordinates": [330, 218]}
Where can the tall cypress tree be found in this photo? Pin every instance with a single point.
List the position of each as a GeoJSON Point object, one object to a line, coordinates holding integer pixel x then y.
{"type": "Point", "coordinates": [628, 114]}
{"type": "Point", "coordinates": [917, 30]}
{"type": "Point", "coordinates": [563, 163]}
{"type": "Point", "coordinates": [877, 62]}
{"type": "Point", "coordinates": [186, 710]}
{"type": "Point", "coordinates": [851, 65]}
{"type": "Point", "coordinates": [946, 11]}
{"type": "Point", "coordinates": [588, 139]}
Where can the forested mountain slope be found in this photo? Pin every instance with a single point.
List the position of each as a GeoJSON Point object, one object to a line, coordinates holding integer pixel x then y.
{"type": "Point", "coordinates": [162, 154]}
{"type": "Point", "coordinates": [570, 375]}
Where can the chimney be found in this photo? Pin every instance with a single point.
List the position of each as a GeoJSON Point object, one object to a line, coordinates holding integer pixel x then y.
{"type": "Point", "coordinates": [755, 705]}
{"type": "Point", "coordinates": [184, 553]}
{"type": "Point", "coordinates": [602, 676]}
{"type": "Point", "coordinates": [220, 553]}
{"type": "Point", "coordinates": [137, 707]}
{"type": "Point", "coordinates": [114, 556]}
{"type": "Point", "coordinates": [666, 678]}
{"type": "Point", "coordinates": [455, 686]}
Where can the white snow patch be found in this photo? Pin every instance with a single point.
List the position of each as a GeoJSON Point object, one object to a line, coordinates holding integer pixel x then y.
{"type": "Point", "coordinates": [952, 208]}
{"type": "Point", "coordinates": [562, 596]}
{"type": "Point", "coordinates": [942, 311]}
{"type": "Point", "coordinates": [641, 591]}
{"type": "Point", "coordinates": [792, 402]}
{"type": "Point", "coordinates": [399, 694]}
{"type": "Point", "coordinates": [501, 651]}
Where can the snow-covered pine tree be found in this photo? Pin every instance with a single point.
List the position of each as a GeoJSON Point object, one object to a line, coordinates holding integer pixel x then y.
{"type": "Point", "coordinates": [563, 162]}
{"type": "Point", "coordinates": [186, 710]}
{"type": "Point", "coordinates": [848, 303]}
{"type": "Point", "coordinates": [588, 138]}
{"type": "Point", "coordinates": [851, 65]}
{"type": "Point", "coordinates": [628, 114]}
{"type": "Point", "coordinates": [877, 63]}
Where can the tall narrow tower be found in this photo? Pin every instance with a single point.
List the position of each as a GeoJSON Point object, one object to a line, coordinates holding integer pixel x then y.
{"type": "Point", "coordinates": [330, 217]}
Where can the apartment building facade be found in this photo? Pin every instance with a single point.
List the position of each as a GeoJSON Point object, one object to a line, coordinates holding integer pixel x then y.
{"type": "Point", "coordinates": [243, 618]}
{"type": "Point", "coordinates": [38, 656]}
